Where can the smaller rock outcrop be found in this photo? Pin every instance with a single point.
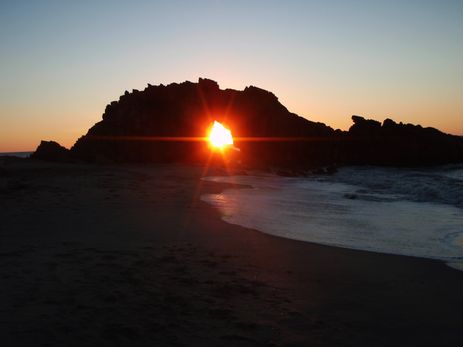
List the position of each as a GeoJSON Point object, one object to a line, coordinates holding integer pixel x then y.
{"type": "Point", "coordinates": [51, 151]}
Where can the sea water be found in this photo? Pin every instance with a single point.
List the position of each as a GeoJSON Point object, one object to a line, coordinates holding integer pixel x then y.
{"type": "Point", "coordinates": [16, 154]}
{"type": "Point", "coordinates": [414, 212]}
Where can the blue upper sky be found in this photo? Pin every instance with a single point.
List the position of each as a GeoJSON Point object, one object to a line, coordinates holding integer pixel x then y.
{"type": "Point", "coordinates": [63, 61]}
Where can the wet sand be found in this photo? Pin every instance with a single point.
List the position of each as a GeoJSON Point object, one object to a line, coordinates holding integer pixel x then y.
{"type": "Point", "coordinates": [102, 255]}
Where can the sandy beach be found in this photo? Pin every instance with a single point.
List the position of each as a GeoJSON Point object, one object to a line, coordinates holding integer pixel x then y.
{"type": "Point", "coordinates": [130, 255]}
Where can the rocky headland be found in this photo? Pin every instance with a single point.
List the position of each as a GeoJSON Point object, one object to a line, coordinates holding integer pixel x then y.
{"type": "Point", "coordinates": [142, 126]}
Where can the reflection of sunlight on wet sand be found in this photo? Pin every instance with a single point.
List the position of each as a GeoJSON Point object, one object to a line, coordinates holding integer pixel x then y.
{"type": "Point", "coordinates": [226, 205]}
{"type": "Point", "coordinates": [264, 250]}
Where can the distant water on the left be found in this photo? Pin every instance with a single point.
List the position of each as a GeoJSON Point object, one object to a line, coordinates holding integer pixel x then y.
{"type": "Point", "coordinates": [16, 154]}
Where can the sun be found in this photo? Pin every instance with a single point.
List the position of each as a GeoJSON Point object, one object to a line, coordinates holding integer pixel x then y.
{"type": "Point", "coordinates": [219, 136]}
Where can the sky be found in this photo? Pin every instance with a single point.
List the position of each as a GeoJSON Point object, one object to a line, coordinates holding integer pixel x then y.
{"type": "Point", "coordinates": [62, 62]}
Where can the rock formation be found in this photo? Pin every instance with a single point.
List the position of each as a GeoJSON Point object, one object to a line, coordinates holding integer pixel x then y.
{"type": "Point", "coordinates": [370, 142]}
{"type": "Point", "coordinates": [51, 151]}
{"type": "Point", "coordinates": [138, 126]}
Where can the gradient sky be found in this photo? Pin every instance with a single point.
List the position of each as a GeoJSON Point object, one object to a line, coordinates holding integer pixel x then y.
{"type": "Point", "coordinates": [61, 62]}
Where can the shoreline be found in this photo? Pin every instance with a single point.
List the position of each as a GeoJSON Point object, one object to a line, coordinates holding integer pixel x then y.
{"type": "Point", "coordinates": [455, 263]}
{"type": "Point", "coordinates": [118, 255]}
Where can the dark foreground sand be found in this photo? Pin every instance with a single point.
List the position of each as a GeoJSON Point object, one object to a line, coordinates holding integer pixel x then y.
{"type": "Point", "coordinates": [130, 256]}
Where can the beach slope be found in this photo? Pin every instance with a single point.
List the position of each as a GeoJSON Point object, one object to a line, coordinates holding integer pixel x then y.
{"type": "Point", "coordinates": [130, 255]}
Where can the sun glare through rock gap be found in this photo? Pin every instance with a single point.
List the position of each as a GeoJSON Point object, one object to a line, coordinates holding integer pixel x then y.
{"type": "Point", "coordinates": [219, 136]}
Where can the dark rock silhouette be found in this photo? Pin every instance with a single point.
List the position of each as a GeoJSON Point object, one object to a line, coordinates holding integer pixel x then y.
{"type": "Point", "coordinates": [186, 110]}
{"type": "Point", "coordinates": [139, 127]}
{"type": "Point", "coordinates": [51, 151]}
{"type": "Point", "coordinates": [370, 142]}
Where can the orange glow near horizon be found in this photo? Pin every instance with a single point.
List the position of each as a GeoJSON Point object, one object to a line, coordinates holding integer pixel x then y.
{"type": "Point", "coordinates": [219, 136]}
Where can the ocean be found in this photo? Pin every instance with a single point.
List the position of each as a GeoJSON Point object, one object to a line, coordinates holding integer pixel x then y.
{"type": "Point", "coordinates": [16, 154]}
{"type": "Point", "coordinates": [412, 212]}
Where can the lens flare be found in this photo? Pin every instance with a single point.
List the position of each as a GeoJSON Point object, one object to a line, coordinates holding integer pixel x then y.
{"type": "Point", "coordinates": [219, 136]}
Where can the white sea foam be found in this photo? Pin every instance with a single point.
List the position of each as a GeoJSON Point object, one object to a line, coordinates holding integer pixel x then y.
{"type": "Point", "coordinates": [408, 212]}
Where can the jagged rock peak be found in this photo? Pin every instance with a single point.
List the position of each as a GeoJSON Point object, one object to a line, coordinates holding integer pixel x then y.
{"type": "Point", "coordinates": [186, 110]}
